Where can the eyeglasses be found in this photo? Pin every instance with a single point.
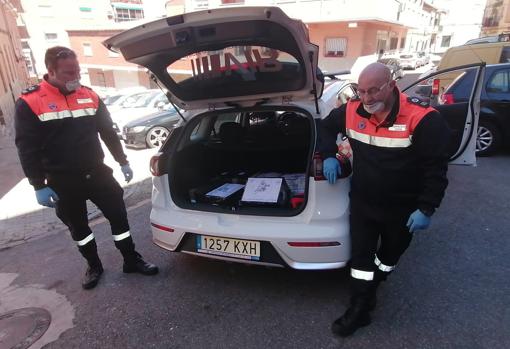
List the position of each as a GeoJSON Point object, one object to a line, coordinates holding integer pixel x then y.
{"type": "Point", "coordinates": [372, 91]}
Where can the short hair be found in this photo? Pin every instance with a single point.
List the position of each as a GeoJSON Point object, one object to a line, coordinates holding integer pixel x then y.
{"type": "Point", "coordinates": [53, 54]}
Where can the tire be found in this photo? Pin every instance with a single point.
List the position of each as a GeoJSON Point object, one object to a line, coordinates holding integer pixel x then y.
{"type": "Point", "coordinates": [156, 136]}
{"type": "Point", "coordinates": [488, 139]}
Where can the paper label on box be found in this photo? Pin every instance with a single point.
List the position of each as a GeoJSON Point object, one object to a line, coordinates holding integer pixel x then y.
{"type": "Point", "coordinates": [262, 190]}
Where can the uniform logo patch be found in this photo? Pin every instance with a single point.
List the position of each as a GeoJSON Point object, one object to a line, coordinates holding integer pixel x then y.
{"type": "Point", "coordinates": [362, 125]}
{"type": "Point", "coordinates": [397, 127]}
{"type": "Point", "coordinates": [84, 100]}
{"type": "Point", "coordinates": [52, 106]}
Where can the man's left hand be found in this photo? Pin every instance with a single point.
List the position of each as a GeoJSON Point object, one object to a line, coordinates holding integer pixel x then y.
{"type": "Point", "coordinates": [127, 172]}
{"type": "Point", "coordinates": [418, 221]}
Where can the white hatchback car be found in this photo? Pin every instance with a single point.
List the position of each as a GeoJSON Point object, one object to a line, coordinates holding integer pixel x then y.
{"type": "Point", "coordinates": [238, 179]}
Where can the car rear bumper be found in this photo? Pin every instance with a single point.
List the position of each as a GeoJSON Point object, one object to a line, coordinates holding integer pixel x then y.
{"type": "Point", "coordinates": [274, 236]}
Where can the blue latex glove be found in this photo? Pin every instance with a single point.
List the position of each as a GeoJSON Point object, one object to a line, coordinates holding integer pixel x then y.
{"type": "Point", "coordinates": [127, 172]}
{"type": "Point", "coordinates": [418, 220]}
{"type": "Point", "coordinates": [46, 197]}
{"type": "Point", "coordinates": [331, 169]}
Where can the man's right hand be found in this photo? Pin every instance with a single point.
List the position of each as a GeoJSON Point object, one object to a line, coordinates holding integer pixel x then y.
{"type": "Point", "coordinates": [331, 169]}
{"type": "Point", "coordinates": [46, 197]}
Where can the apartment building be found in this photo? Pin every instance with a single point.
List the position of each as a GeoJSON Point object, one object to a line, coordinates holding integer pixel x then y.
{"type": "Point", "coordinates": [13, 69]}
{"type": "Point", "coordinates": [461, 21]}
{"type": "Point", "coordinates": [496, 17]}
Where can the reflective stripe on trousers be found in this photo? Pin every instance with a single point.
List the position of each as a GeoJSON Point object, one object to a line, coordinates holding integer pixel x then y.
{"type": "Point", "coordinates": [362, 275]}
{"type": "Point", "coordinates": [85, 241]}
{"type": "Point", "coordinates": [122, 236]}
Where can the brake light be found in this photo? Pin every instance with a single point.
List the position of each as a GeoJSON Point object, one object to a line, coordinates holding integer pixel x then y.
{"type": "Point", "coordinates": [447, 98]}
{"type": "Point", "coordinates": [317, 167]}
{"type": "Point", "coordinates": [435, 87]}
{"type": "Point", "coordinates": [154, 165]}
{"type": "Point", "coordinates": [314, 244]}
{"type": "Point", "coordinates": [162, 227]}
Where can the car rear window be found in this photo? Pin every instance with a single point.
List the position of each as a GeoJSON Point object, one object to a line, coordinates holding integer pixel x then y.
{"type": "Point", "coordinates": [236, 71]}
{"type": "Point", "coordinates": [406, 56]}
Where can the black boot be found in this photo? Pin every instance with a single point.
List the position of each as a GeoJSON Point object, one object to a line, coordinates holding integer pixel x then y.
{"type": "Point", "coordinates": [92, 276]}
{"type": "Point", "coordinates": [135, 264]}
{"type": "Point", "coordinates": [355, 317]}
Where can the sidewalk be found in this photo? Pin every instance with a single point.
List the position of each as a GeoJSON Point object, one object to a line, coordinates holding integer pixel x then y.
{"type": "Point", "coordinates": [22, 219]}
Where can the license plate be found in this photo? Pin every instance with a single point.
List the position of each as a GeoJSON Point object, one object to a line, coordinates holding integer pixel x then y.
{"type": "Point", "coordinates": [244, 249]}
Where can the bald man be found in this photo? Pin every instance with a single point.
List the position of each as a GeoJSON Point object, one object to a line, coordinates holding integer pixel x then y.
{"type": "Point", "coordinates": [400, 158]}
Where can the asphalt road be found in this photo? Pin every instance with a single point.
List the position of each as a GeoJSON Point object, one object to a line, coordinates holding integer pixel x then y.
{"type": "Point", "coordinates": [450, 290]}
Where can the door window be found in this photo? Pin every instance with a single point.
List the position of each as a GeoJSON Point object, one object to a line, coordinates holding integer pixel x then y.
{"type": "Point", "coordinates": [499, 82]}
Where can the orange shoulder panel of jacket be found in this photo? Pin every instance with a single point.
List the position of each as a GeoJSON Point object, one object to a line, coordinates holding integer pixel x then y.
{"type": "Point", "coordinates": [32, 97]}
{"type": "Point", "coordinates": [414, 108]}
{"type": "Point", "coordinates": [350, 112]}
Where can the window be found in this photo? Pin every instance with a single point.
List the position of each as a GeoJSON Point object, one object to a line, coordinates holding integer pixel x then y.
{"type": "Point", "coordinates": [87, 49]}
{"type": "Point", "coordinates": [402, 43]}
{"type": "Point", "coordinates": [124, 14]}
{"type": "Point", "coordinates": [51, 38]}
{"type": "Point", "coordinates": [445, 41]}
{"type": "Point", "coordinates": [505, 55]}
{"type": "Point", "coordinates": [335, 47]}
{"type": "Point", "coordinates": [393, 43]}
{"type": "Point", "coordinates": [499, 82]}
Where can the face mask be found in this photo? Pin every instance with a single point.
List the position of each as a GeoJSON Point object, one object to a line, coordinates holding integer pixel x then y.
{"type": "Point", "coordinates": [374, 108]}
{"type": "Point", "coordinates": [73, 85]}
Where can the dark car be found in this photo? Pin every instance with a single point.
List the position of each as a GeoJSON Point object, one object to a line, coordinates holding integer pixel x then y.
{"type": "Point", "coordinates": [494, 124]}
{"type": "Point", "coordinates": [150, 131]}
{"type": "Point", "coordinates": [396, 69]}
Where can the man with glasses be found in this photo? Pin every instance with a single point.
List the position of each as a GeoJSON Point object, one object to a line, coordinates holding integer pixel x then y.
{"type": "Point", "coordinates": [57, 125]}
{"type": "Point", "coordinates": [400, 159]}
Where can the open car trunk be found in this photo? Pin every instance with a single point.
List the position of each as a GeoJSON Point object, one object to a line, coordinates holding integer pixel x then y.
{"type": "Point", "coordinates": [251, 162]}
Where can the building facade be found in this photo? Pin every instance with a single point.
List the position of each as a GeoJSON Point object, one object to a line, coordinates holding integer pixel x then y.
{"type": "Point", "coordinates": [496, 18]}
{"type": "Point", "coordinates": [13, 69]}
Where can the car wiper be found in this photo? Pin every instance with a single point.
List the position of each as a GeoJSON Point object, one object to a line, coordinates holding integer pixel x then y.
{"type": "Point", "coordinates": [168, 95]}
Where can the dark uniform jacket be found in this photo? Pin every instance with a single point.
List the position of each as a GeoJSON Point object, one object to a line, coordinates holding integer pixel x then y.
{"type": "Point", "coordinates": [57, 133]}
{"type": "Point", "coordinates": [402, 161]}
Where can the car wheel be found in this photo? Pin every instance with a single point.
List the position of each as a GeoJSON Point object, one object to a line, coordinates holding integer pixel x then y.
{"type": "Point", "coordinates": [488, 139]}
{"type": "Point", "coordinates": [156, 136]}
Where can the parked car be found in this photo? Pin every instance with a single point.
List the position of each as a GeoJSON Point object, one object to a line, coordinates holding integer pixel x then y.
{"type": "Point", "coordinates": [409, 60]}
{"type": "Point", "coordinates": [116, 101]}
{"type": "Point", "coordinates": [397, 72]}
{"type": "Point", "coordinates": [150, 131]}
{"type": "Point", "coordinates": [494, 124]}
{"type": "Point", "coordinates": [138, 105]}
{"type": "Point", "coordinates": [424, 58]}
{"type": "Point", "coordinates": [239, 179]}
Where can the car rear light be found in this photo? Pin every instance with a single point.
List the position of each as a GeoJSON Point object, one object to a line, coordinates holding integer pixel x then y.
{"type": "Point", "coordinates": [314, 243]}
{"type": "Point", "coordinates": [162, 227]}
{"type": "Point", "coordinates": [317, 167]}
{"type": "Point", "coordinates": [447, 98]}
{"type": "Point", "coordinates": [435, 87]}
{"type": "Point", "coordinates": [154, 165]}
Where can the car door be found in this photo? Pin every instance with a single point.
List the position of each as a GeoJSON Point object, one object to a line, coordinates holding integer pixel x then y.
{"type": "Point", "coordinates": [461, 116]}
{"type": "Point", "coordinates": [498, 97]}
